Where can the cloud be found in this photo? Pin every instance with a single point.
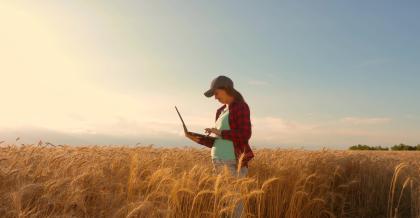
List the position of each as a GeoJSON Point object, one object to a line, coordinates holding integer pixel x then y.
{"type": "Point", "coordinates": [365, 120]}
{"type": "Point", "coordinates": [33, 135]}
{"type": "Point", "coordinates": [373, 62]}
{"type": "Point", "coordinates": [338, 133]}
{"type": "Point", "coordinates": [266, 131]}
{"type": "Point", "coordinates": [258, 82]}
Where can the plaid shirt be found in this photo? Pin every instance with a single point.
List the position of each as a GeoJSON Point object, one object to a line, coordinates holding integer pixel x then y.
{"type": "Point", "coordinates": [239, 133]}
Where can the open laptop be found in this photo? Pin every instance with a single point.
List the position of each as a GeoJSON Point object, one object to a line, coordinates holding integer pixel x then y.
{"type": "Point", "coordinates": [192, 133]}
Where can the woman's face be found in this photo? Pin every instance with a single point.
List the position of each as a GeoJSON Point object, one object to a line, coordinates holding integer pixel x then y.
{"type": "Point", "coordinates": [221, 95]}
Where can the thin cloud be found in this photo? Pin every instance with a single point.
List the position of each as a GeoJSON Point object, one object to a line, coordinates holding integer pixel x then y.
{"type": "Point", "coordinates": [373, 62]}
{"type": "Point", "coordinates": [258, 82]}
{"type": "Point", "coordinates": [266, 131]}
{"type": "Point", "coordinates": [280, 131]}
{"type": "Point", "coordinates": [365, 120]}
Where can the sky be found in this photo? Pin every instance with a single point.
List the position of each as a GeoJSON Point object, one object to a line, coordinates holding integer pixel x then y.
{"type": "Point", "coordinates": [314, 73]}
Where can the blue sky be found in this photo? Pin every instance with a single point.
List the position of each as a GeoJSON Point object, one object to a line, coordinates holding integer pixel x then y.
{"type": "Point", "coordinates": [324, 73]}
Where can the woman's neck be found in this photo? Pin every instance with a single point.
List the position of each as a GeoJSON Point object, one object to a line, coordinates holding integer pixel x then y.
{"type": "Point", "coordinates": [230, 101]}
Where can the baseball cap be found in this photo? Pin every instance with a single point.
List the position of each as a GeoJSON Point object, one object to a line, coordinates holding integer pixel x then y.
{"type": "Point", "coordinates": [218, 82]}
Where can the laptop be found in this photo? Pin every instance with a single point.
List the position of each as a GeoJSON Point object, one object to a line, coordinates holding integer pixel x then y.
{"type": "Point", "coordinates": [192, 133]}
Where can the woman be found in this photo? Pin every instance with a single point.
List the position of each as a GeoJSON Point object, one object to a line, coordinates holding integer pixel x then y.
{"type": "Point", "coordinates": [233, 129]}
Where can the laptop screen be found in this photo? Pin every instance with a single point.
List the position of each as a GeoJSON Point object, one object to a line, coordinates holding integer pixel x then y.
{"type": "Point", "coordinates": [180, 117]}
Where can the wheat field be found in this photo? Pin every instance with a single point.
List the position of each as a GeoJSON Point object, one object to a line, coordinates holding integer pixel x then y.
{"type": "Point", "coordinates": [145, 181]}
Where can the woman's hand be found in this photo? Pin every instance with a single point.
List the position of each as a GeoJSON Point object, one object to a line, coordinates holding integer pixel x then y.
{"type": "Point", "coordinates": [213, 130]}
{"type": "Point", "coordinates": [192, 137]}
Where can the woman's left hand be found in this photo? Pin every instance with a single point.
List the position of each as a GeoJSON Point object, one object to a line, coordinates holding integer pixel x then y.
{"type": "Point", "coordinates": [213, 130]}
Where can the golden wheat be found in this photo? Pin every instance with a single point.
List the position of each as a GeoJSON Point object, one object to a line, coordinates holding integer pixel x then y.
{"type": "Point", "coordinates": [118, 181]}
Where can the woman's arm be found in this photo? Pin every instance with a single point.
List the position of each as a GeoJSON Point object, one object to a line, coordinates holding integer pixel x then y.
{"type": "Point", "coordinates": [206, 141]}
{"type": "Point", "coordinates": [241, 124]}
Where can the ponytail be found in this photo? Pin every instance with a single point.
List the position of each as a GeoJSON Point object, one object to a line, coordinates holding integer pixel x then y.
{"type": "Point", "coordinates": [235, 93]}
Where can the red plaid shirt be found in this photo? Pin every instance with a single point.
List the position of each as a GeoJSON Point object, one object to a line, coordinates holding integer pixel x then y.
{"type": "Point", "coordinates": [239, 133]}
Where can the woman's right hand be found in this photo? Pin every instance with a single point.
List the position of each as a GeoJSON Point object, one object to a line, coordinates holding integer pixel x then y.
{"type": "Point", "coordinates": [192, 137]}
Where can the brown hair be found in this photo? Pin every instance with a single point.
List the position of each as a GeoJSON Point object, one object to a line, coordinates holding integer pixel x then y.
{"type": "Point", "coordinates": [233, 92]}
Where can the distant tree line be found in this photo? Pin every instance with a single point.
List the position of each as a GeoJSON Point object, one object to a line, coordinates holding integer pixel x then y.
{"type": "Point", "coordinates": [400, 147]}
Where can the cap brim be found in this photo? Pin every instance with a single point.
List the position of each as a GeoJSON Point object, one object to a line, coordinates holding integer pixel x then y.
{"type": "Point", "coordinates": [209, 93]}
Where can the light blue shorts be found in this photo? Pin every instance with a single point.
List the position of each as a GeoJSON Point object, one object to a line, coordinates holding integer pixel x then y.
{"type": "Point", "coordinates": [218, 165]}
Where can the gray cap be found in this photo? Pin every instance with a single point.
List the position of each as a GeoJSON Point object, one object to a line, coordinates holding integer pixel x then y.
{"type": "Point", "coordinates": [218, 82]}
